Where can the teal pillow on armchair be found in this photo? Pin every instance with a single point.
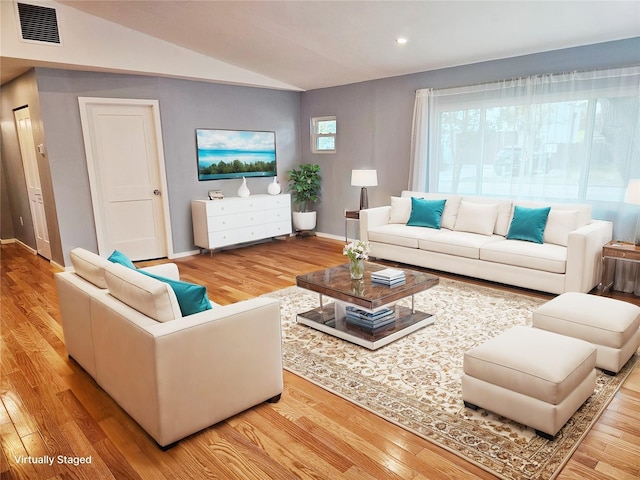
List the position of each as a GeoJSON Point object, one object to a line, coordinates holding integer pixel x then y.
{"type": "Point", "coordinates": [191, 297]}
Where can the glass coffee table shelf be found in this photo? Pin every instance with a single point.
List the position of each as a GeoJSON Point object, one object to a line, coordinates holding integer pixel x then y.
{"type": "Point", "coordinates": [336, 283]}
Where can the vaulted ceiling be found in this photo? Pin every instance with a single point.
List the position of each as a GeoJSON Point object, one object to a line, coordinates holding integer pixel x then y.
{"type": "Point", "coordinates": [316, 44]}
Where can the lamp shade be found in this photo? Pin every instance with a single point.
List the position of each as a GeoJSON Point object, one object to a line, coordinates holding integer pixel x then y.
{"type": "Point", "coordinates": [632, 195]}
{"type": "Point", "coordinates": [364, 178]}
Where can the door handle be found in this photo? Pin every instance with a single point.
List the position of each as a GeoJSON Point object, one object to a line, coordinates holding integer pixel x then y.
{"type": "Point", "coordinates": [156, 192]}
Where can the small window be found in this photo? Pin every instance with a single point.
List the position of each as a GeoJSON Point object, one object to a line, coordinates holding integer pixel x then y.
{"type": "Point", "coordinates": [323, 135]}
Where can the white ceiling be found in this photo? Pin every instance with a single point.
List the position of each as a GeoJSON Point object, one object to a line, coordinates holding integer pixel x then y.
{"type": "Point", "coordinates": [315, 44]}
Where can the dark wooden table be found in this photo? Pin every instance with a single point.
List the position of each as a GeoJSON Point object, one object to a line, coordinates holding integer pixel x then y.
{"type": "Point", "coordinates": [336, 283]}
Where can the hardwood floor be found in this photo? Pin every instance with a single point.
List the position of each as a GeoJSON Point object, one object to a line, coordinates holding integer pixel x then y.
{"type": "Point", "coordinates": [51, 407]}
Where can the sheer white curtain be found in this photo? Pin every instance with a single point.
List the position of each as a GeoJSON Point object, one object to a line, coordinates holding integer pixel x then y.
{"type": "Point", "coordinates": [571, 137]}
{"type": "Point", "coordinates": [420, 141]}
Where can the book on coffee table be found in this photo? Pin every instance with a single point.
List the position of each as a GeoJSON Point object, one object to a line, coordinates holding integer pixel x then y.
{"type": "Point", "coordinates": [388, 276]}
{"type": "Point", "coordinates": [368, 326]}
{"type": "Point", "coordinates": [369, 320]}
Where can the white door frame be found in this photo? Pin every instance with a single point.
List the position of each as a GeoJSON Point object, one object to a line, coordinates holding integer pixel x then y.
{"type": "Point", "coordinates": [84, 103]}
{"type": "Point", "coordinates": [32, 179]}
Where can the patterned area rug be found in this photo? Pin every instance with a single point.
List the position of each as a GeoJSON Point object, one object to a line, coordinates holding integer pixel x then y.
{"type": "Point", "coordinates": [415, 381]}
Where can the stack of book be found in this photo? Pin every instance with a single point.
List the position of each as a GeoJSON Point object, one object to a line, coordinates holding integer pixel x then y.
{"type": "Point", "coordinates": [389, 276]}
{"type": "Point", "coordinates": [370, 320]}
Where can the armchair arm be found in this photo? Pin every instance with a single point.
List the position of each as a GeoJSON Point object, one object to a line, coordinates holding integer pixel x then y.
{"type": "Point", "coordinates": [168, 270]}
{"type": "Point", "coordinates": [584, 255]}
{"type": "Point", "coordinates": [373, 217]}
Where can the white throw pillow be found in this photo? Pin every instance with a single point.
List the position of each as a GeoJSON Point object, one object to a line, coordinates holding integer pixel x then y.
{"type": "Point", "coordinates": [400, 210]}
{"type": "Point", "coordinates": [89, 266]}
{"type": "Point", "coordinates": [476, 217]}
{"type": "Point", "coordinates": [149, 296]}
{"type": "Point", "coordinates": [559, 224]}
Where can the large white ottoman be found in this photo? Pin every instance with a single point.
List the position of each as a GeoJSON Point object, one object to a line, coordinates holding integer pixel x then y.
{"type": "Point", "coordinates": [534, 377]}
{"type": "Point", "coordinates": [613, 326]}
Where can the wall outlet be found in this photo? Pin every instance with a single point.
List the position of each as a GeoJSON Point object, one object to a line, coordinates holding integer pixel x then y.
{"type": "Point", "coordinates": [21, 222]}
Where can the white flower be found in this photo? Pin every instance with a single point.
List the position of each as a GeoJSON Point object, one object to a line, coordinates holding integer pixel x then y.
{"type": "Point", "coordinates": [357, 250]}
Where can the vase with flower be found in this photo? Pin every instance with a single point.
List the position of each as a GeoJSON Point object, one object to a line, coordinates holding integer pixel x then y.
{"type": "Point", "coordinates": [357, 252]}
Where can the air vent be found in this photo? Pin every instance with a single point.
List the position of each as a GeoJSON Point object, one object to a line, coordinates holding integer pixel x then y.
{"type": "Point", "coordinates": [38, 24]}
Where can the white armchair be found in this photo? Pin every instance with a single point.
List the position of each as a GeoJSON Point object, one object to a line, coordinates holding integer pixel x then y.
{"type": "Point", "coordinates": [175, 377]}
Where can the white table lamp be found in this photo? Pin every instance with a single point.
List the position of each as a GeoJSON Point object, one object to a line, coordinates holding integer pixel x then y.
{"type": "Point", "coordinates": [364, 179]}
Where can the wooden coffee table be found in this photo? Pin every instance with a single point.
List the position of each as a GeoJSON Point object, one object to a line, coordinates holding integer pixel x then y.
{"type": "Point", "coordinates": [336, 283]}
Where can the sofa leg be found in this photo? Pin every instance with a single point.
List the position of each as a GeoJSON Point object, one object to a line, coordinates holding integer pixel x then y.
{"type": "Point", "coordinates": [470, 405]}
{"type": "Point", "coordinates": [609, 372]}
{"type": "Point", "coordinates": [275, 399]}
{"type": "Point", "coordinates": [545, 435]}
{"type": "Point", "coordinates": [167, 447]}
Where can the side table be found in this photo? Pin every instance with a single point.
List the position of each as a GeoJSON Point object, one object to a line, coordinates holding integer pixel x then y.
{"type": "Point", "coordinates": [350, 215]}
{"type": "Point", "coordinates": [611, 252]}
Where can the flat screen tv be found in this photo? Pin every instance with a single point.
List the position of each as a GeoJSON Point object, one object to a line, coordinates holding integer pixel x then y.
{"type": "Point", "coordinates": [235, 154]}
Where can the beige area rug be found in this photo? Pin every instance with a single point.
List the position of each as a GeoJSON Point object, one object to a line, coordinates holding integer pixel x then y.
{"type": "Point", "coordinates": [415, 381]}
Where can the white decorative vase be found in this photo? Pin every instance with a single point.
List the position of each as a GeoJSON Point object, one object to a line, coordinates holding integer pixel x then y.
{"type": "Point", "coordinates": [243, 191]}
{"type": "Point", "coordinates": [304, 221]}
{"type": "Point", "coordinates": [274, 187]}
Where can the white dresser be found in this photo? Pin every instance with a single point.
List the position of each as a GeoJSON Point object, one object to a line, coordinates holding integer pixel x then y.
{"type": "Point", "coordinates": [219, 223]}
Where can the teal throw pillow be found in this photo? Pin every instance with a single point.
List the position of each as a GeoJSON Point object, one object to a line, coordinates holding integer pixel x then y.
{"type": "Point", "coordinates": [528, 224]}
{"type": "Point", "coordinates": [121, 258]}
{"type": "Point", "coordinates": [192, 298]}
{"type": "Point", "coordinates": [426, 213]}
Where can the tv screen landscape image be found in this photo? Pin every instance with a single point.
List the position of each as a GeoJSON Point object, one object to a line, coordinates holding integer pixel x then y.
{"type": "Point", "coordinates": [235, 153]}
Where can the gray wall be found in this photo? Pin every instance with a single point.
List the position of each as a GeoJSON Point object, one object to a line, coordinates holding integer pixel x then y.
{"type": "Point", "coordinates": [374, 131]}
{"type": "Point", "coordinates": [374, 119]}
{"type": "Point", "coordinates": [184, 106]}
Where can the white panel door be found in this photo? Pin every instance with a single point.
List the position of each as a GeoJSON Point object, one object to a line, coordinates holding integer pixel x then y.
{"type": "Point", "coordinates": [32, 177]}
{"type": "Point", "coordinates": [126, 171]}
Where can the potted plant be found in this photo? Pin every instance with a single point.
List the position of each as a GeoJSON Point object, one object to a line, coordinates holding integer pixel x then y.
{"type": "Point", "coordinates": [304, 185]}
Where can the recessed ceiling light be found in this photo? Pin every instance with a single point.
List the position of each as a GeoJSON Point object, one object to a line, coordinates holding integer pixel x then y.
{"type": "Point", "coordinates": [401, 40]}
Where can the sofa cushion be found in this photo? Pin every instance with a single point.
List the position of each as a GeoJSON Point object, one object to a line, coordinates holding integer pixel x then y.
{"type": "Point", "coordinates": [545, 257]}
{"type": "Point", "coordinates": [476, 218]}
{"type": "Point", "coordinates": [559, 225]}
{"type": "Point", "coordinates": [89, 266]}
{"type": "Point", "coordinates": [401, 235]}
{"type": "Point", "coordinates": [153, 298]}
{"type": "Point", "coordinates": [450, 208]}
{"type": "Point", "coordinates": [426, 213]}
{"type": "Point", "coordinates": [460, 244]}
{"type": "Point", "coordinates": [528, 224]}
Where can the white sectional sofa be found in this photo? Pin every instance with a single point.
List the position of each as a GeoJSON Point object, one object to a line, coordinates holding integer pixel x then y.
{"type": "Point", "coordinates": [472, 241]}
{"type": "Point", "coordinates": [173, 375]}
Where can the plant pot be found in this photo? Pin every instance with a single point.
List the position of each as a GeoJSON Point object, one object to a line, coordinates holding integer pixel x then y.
{"type": "Point", "coordinates": [303, 221]}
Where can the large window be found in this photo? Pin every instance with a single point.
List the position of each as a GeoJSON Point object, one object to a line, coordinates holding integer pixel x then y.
{"type": "Point", "coordinates": [323, 134]}
{"type": "Point", "coordinates": [570, 137]}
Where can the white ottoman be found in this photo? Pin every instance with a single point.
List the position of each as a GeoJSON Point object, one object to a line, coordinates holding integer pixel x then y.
{"type": "Point", "coordinates": [534, 377]}
{"type": "Point", "coordinates": [613, 326]}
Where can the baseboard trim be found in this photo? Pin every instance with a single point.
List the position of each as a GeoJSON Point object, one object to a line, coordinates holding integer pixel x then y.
{"type": "Point", "coordinates": [331, 236]}
{"type": "Point", "coordinates": [184, 254]}
{"type": "Point", "coordinates": [22, 244]}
